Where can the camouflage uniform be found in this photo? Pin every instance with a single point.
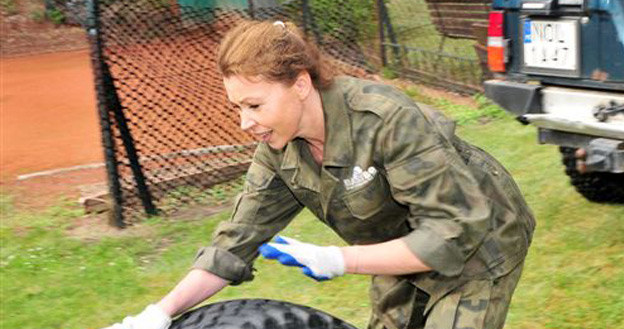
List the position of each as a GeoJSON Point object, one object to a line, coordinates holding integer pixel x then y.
{"type": "Point", "coordinates": [454, 205]}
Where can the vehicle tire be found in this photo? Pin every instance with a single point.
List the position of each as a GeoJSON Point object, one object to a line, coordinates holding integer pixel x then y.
{"type": "Point", "coordinates": [257, 314]}
{"type": "Point", "coordinates": [602, 187]}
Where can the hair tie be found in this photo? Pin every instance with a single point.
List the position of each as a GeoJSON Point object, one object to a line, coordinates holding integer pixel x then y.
{"type": "Point", "coordinates": [279, 23]}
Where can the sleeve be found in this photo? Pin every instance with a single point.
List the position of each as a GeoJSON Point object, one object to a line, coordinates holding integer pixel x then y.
{"type": "Point", "coordinates": [448, 213]}
{"type": "Point", "coordinates": [264, 208]}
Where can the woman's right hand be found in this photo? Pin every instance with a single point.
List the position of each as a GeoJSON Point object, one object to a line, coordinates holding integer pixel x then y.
{"type": "Point", "coordinates": [153, 317]}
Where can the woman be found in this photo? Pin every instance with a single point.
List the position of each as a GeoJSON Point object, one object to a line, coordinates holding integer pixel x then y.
{"type": "Point", "coordinates": [438, 223]}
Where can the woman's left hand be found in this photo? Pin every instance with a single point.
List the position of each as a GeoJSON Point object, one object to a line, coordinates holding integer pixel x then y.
{"type": "Point", "coordinates": [319, 263]}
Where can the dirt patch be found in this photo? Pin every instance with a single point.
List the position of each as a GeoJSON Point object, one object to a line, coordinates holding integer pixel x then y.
{"type": "Point", "coordinates": [199, 211]}
{"type": "Point", "coordinates": [436, 93]}
{"type": "Point", "coordinates": [21, 37]}
{"type": "Point", "coordinates": [38, 193]}
{"type": "Point", "coordinates": [95, 227]}
{"type": "Point", "coordinates": [24, 30]}
{"type": "Point", "coordinates": [453, 97]}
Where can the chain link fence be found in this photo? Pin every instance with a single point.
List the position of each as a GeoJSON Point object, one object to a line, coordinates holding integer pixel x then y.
{"type": "Point", "coordinates": [169, 133]}
{"type": "Point", "coordinates": [433, 42]}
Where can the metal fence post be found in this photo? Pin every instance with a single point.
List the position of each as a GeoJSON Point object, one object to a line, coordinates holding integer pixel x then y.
{"type": "Point", "coordinates": [95, 42]}
{"type": "Point", "coordinates": [305, 12]}
{"type": "Point", "coordinates": [112, 100]}
{"type": "Point", "coordinates": [108, 102]}
{"type": "Point", "coordinates": [250, 6]}
{"type": "Point", "coordinates": [385, 19]}
{"type": "Point", "coordinates": [382, 38]}
{"type": "Point", "coordinates": [310, 23]}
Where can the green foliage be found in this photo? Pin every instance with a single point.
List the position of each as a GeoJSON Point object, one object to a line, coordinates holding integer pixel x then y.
{"type": "Point", "coordinates": [462, 114]}
{"type": "Point", "coordinates": [9, 7]}
{"type": "Point", "coordinates": [56, 16]}
{"type": "Point", "coordinates": [354, 20]}
{"type": "Point", "coordinates": [389, 72]}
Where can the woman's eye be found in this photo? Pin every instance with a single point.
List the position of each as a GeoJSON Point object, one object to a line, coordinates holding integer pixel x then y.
{"type": "Point", "coordinates": [254, 107]}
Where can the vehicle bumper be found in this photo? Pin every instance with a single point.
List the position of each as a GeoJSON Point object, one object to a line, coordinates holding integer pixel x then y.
{"type": "Point", "coordinates": [554, 122]}
{"type": "Point", "coordinates": [557, 108]}
{"type": "Point", "coordinates": [516, 98]}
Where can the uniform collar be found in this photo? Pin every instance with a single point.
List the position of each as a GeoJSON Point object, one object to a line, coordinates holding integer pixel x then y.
{"type": "Point", "coordinates": [338, 147]}
{"type": "Point", "coordinates": [291, 156]}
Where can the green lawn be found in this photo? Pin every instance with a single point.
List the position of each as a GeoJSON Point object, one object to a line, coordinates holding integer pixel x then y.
{"type": "Point", "coordinates": [573, 278]}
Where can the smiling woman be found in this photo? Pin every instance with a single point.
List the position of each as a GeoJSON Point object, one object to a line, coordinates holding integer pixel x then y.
{"type": "Point", "coordinates": [278, 90]}
{"type": "Point", "coordinates": [276, 114]}
{"type": "Point", "coordinates": [438, 223]}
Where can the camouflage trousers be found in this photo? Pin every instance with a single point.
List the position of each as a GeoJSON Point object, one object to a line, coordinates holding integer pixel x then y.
{"type": "Point", "coordinates": [479, 304]}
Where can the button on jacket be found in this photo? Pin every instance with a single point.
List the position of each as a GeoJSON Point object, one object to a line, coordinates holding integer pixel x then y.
{"type": "Point", "coordinates": [391, 169]}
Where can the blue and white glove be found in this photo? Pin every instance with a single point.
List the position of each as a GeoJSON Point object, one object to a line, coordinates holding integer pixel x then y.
{"type": "Point", "coordinates": [153, 317]}
{"type": "Point", "coordinates": [319, 263]}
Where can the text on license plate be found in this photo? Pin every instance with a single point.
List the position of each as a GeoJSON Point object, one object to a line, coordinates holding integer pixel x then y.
{"type": "Point", "coordinates": [550, 44]}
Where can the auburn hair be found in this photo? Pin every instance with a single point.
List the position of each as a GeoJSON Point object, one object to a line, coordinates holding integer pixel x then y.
{"type": "Point", "coordinates": [276, 51]}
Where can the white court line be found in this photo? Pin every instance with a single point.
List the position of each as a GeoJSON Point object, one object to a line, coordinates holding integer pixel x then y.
{"type": "Point", "coordinates": [199, 151]}
{"type": "Point", "coordinates": [60, 171]}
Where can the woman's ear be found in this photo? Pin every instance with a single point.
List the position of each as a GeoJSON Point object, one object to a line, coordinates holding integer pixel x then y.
{"type": "Point", "coordinates": [303, 85]}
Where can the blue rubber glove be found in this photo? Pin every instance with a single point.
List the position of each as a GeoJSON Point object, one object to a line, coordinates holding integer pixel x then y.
{"type": "Point", "coordinates": [319, 263]}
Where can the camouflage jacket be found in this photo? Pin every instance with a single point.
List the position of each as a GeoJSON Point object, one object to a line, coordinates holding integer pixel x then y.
{"type": "Point", "coordinates": [456, 208]}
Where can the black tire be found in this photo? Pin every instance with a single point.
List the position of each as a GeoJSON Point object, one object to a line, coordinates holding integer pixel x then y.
{"type": "Point", "coordinates": [257, 314]}
{"type": "Point", "coordinates": [602, 187]}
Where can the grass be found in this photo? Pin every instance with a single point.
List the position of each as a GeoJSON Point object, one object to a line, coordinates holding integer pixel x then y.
{"type": "Point", "coordinates": [182, 196]}
{"type": "Point", "coordinates": [573, 277]}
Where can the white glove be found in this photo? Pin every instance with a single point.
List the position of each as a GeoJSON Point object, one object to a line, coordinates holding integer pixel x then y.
{"type": "Point", "coordinates": [153, 317]}
{"type": "Point", "coordinates": [319, 263]}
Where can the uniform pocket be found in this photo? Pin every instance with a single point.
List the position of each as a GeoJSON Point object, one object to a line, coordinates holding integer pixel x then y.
{"type": "Point", "coordinates": [465, 307]}
{"type": "Point", "coordinates": [258, 177]}
{"type": "Point", "coordinates": [257, 186]}
{"type": "Point", "coordinates": [367, 200]}
{"type": "Point", "coordinates": [397, 302]}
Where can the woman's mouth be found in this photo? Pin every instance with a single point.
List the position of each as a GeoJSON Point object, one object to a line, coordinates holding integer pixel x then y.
{"type": "Point", "coordinates": [265, 136]}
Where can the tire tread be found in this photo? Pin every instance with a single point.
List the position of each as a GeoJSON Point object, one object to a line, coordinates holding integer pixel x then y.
{"type": "Point", "coordinates": [257, 314]}
{"type": "Point", "coordinates": [600, 187]}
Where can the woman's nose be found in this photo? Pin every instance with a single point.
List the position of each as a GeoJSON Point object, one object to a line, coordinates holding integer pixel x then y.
{"type": "Point", "coordinates": [246, 121]}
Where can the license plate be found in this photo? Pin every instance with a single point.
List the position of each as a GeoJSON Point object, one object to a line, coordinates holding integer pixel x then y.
{"type": "Point", "coordinates": [551, 45]}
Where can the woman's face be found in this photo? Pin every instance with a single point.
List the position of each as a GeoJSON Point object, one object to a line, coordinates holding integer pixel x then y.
{"type": "Point", "coordinates": [270, 111]}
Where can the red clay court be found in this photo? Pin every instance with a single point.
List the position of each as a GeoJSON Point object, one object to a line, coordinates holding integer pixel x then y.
{"type": "Point", "coordinates": [48, 117]}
